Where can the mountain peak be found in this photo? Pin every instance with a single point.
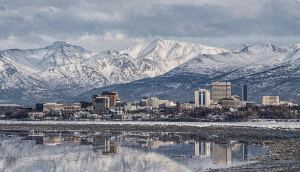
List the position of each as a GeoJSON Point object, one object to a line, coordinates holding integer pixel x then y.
{"type": "Point", "coordinates": [59, 44]}
{"type": "Point", "coordinates": [166, 41]}
{"type": "Point", "coordinates": [62, 44]}
{"type": "Point", "coordinates": [276, 49]}
{"type": "Point", "coordinates": [158, 39]}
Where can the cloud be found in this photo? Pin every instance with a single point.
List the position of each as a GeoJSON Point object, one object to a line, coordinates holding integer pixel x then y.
{"type": "Point", "coordinates": [84, 22]}
{"type": "Point", "coordinates": [94, 42]}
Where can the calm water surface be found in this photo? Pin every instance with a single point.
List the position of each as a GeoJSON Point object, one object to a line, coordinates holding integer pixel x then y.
{"type": "Point", "coordinates": [119, 151]}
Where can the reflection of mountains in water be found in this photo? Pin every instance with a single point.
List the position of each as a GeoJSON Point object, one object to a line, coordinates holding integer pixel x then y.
{"type": "Point", "coordinates": [129, 147]}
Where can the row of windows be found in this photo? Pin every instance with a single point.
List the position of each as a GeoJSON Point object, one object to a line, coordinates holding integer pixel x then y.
{"type": "Point", "coordinates": [203, 98]}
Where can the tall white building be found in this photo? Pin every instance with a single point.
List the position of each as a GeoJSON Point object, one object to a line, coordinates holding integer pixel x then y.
{"type": "Point", "coordinates": [202, 98]}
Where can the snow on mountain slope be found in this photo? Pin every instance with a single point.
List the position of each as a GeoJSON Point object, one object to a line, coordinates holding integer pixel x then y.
{"type": "Point", "coordinates": [61, 54]}
{"type": "Point", "coordinates": [114, 65]}
{"type": "Point", "coordinates": [64, 65]}
{"type": "Point", "coordinates": [15, 74]}
{"type": "Point", "coordinates": [168, 54]}
{"type": "Point", "coordinates": [61, 71]}
{"type": "Point", "coordinates": [267, 70]}
{"type": "Point", "coordinates": [62, 68]}
{"type": "Point", "coordinates": [249, 60]}
{"type": "Point", "coordinates": [31, 68]}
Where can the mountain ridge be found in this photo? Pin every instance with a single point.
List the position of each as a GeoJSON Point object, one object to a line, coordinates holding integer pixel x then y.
{"type": "Point", "coordinates": [42, 74]}
{"type": "Point", "coordinates": [264, 69]}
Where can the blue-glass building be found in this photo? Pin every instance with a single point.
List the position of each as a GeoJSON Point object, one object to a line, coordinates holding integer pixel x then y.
{"type": "Point", "coordinates": [240, 90]}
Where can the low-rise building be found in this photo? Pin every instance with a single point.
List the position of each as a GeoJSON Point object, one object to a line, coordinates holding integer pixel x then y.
{"type": "Point", "coordinates": [36, 114]}
{"type": "Point", "coordinates": [130, 108]}
{"type": "Point", "coordinates": [52, 107]}
{"type": "Point", "coordinates": [152, 102]}
{"type": "Point", "coordinates": [72, 109]}
{"type": "Point", "coordinates": [232, 101]}
{"type": "Point", "coordinates": [250, 104]}
{"type": "Point", "coordinates": [118, 115]}
{"type": "Point", "coordinates": [270, 100]}
{"type": "Point", "coordinates": [163, 104]}
{"type": "Point", "coordinates": [187, 105]}
{"type": "Point", "coordinates": [285, 103]}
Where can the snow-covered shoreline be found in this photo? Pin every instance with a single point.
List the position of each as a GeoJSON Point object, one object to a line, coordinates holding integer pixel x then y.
{"type": "Point", "coordinates": [271, 125]}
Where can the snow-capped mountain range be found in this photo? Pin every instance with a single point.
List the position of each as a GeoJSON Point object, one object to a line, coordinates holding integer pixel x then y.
{"type": "Point", "coordinates": [60, 71]}
{"type": "Point", "coordinates": [267, 70]}
{"type": "Point", "coordinates": [163, 68]}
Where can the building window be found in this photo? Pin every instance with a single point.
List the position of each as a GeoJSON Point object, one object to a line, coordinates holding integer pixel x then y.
{"type": "Point", "coordinates": [200, 101]}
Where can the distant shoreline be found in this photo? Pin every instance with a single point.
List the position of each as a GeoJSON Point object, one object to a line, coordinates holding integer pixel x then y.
{"type": "Point", "coordinates": [129, 124]}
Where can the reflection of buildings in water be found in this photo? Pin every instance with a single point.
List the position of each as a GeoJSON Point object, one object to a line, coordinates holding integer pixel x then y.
{"type": "Point", "coordinates": [34, 133]}
{"type": "Point", "coordinates": [202, 149]}
{"type": "Point", "coordinates": [196, 148]}
{"type": "Point", "coordinates": [87, 140]}
{"type": "Point", "coordinates": [240, 151]}
{"type": "Point", "coordinates": [225, 153]}
{"type": "Point", "coordinates": [52, 140]}
{"type": "Point", "coordinates": [205, 149]}
{"type": "Point", "coordinates": [105, 144]}
{"type": "Point", "coordinates": [236, 147]}
{"type": "Point", "coordinates": [112, 148]}
{"type": "Point", "coordinates": [165, 143]}
{"type": "Point", "coordinates": [72, 139]}
{"type": "Point", "coordinates": [245, 151]}
{"type": "Point", "coordinates": [154, 143]}
{"type": "Point", "coordinates": [221, 154]}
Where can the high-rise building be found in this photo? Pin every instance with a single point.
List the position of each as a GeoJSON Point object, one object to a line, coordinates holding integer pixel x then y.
{"type": "Point", "coordinates": [94, 97]}
{"type": "Point", "coordinates": [239, 90]}
{"type": "Point", "coordinates": [113, 96]}
{"type": "Point", "coordinates": [101, 104]}
{"type": "Point", "coordinates": [202, 98]}
{"type": "Point", "coordinates": [270, 100]}
{"type": "Point", "coordinates": [221, 90]}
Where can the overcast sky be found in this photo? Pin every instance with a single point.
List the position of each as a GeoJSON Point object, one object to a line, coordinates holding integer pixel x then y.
{"type": "Point", "coordinates": [101, 25]}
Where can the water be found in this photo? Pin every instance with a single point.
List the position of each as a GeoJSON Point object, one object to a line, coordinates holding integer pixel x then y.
{"type": "Point", "coordinates": [119, 151]}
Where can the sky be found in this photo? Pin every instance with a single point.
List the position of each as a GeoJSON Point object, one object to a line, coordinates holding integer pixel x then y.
{"type": "Point", "coordinates": [111, 24]}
